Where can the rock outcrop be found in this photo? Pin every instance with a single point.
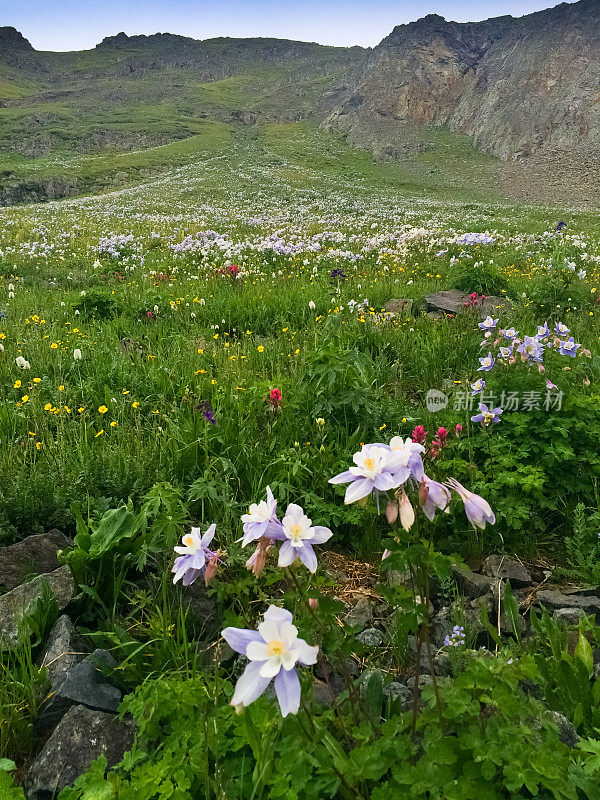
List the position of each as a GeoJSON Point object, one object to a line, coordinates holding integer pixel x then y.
{"type": "Point", "coordinates": [518, 86]}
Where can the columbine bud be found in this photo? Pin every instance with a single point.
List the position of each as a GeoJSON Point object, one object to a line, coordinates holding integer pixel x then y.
{"type": "Point", "coordinates": [313, 602]}
{"type": "Point", "coordinates": [391, 511]}
{"type": "Point", "coordinates": [407, 514]}
{"type": "Point", "coordinates": [423, 493]}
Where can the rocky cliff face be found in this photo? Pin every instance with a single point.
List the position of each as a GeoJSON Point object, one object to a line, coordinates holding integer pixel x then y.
{"type": "Point", "coordinates": [517, 86]}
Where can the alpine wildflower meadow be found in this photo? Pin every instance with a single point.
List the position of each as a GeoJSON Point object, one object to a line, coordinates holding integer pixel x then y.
{"type": "Point", "coordinates": [308, 464]}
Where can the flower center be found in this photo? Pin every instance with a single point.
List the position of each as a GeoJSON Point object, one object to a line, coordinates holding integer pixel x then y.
{"type": "Point", "coordinates": [275, 648]}
{"type": "Point", "coordinates": [189, 541]}
{"type": "Point", "coordinates": [369, 463]}
{"type": "Point", "coordinates": [296, 530]}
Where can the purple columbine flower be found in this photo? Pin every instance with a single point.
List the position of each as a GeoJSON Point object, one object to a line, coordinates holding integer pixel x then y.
{"type": "Point", "coordinates": [477, 509]}
{"type": "Point", "coordinates": [561, 329]}
{"type": "Point", "coordinates": [505, 352]}
{"type": "Point", "coordinates": [273, 650]}
{"type": "Point", "coordinates": [550, 385]}
{"type": "Point", "coordinates": [531, 349]}
{"type": "Point", "coordinates": [438, 496]}
{"type": "Point", "coordinates": [568, 348]}
{"type": "Point", "coordinates": [485, 416]}
{"type": "Point", "coordinates": [510, 334]}
{"type": "Point", "coordinates": [261, 519]}
{"type": "Point", "coordinates": [478, 386]}
{"type": "Point", "coordinates": [487, 362]}
{"type": "Point", "coordinates": [488, 324]}
{"type": "Point", "coordinates": [543, 331]}
{"type": "Point", "coordinates": [371, 471]}
{"type": "Point", "coordinates": [195, 555]}
{"type": "Point", "coordinates": [299, 536]}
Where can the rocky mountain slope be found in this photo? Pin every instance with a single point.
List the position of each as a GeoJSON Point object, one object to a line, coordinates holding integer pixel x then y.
{"type": "Point", "coordinates": [524, 90]}
{"type": "Point", "coordinates": [519, 87]}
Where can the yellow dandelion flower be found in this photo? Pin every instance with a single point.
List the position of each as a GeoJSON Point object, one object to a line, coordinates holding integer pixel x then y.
{"type": "Point", "coordinates": [102, 409]}
{"type": "Point", "coordinates": [17, 385]}
{"type": "Point", "coordinates": [260, 348]}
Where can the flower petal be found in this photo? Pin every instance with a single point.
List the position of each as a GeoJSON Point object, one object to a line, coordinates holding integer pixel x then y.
{"type": "Point", "coordinates": [308, 557]}
{"type": "Point", "coordinates": [321, 535]}
{"type": "Point", "coordinates": [239, 638]}
{"type": "Point", "coordinates": [343, 477]}
{"type": "Point", "coordinates": [250, 685]}
{"type": "Point", "coordinates": [287, 688]}
{"type": "Point", "coordinates": [306, 653]}
{"type": "Point", "coordinates": [276, 614]}
{"type": "Point", "coordinates": [287, 554]}
{"type": "Point", "coordinates": [357, 490]}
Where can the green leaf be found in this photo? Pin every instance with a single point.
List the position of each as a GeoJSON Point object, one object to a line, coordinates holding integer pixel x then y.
{"type": "Point", "coordinates": [583, 650]}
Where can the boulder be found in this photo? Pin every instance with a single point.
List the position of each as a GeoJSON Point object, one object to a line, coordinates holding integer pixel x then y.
{"type": "Point", "coordinates": [361, 613]}
{"type": "Point", "coordinates": [370, 637]}
{"type": "Point", "coordinates": [202, 610]}
{"type": "Point", "coordinates": [453, 301]}
{"type": "Point", "coordinates": [471, 583]}
{"type": "Point", "coordinates": [80, 737]}
{"type": "Point", "coordinates": [554, 600]}
{"type": "Point", "coordinates": [570, 616]}
{"type": "Point", "coordinates": [399, 307]}
{"type": "Point", "coordinates": [82, 684]}
{"type": "Point", "coordinates": [34, 555]}
{"type": "Point", "coordinates": [14, 604]}
{"type": "Point", "coordinates": [508, 569]}
{"type": "Point", "coordinates": [64, 649]}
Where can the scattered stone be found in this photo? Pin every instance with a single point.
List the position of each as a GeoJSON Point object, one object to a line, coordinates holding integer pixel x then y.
{"type": "Point", "coordinates": [395, 690]}
{"type": "Point", "coordinates": [507, 569]}
{"type": "Point", "coordinates": [452, 301]}
{"type": "Point", "coordinates": [64, 649]}
{"type": "Point", "coordinates": [361, 613]}
{"type": "Point", "coordinates": [323, 694]}
{"type": "Point", "coordinates": [424, 680]}
{"type": "Point", "coordinates": [83, 684]}
{"type": "Point", "coordinates": [555, 600]}
{"type": "Point", "coordinates": [34, 555]}
{"type": "Point", "coordinates": [370, 637]}
{"type": "Point", "coordinates": [202, 610]}
{"type": "Point", "coordinates": [570, 616]}
{"type": "Point", "coordinates": [14, 604]}
{"type": "Point", "coordinates": [80, 737]}
{"type": "Point", "coordinates": [399, 307]}
{"type": "Point", "coordinates": [470, 583]}
{"type": "Point", "coordinates": [567, 733]}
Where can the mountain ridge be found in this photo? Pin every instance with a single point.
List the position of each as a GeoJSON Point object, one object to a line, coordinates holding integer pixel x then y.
{"type": "Point", "coordinates": [524, 90]}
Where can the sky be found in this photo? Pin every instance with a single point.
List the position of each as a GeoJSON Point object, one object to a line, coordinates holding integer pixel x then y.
{"type": "Point", "coordinates": [81, 24]}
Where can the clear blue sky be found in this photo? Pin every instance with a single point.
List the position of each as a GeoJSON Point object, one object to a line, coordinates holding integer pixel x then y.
{"type": "Point", "coordinates": [81, 24]}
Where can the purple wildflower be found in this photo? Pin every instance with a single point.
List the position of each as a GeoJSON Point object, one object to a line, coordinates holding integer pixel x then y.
{"type": "Point", "coordinates": [568, 348]}
{"type": "Point", "coordinates": [487, 362]}
{"type": "Point", "coordinates": [485, 416]}
{"type": "Point", "coordinates": [273, 650]}
{"type": "Point", "coordinates": [477, 509]}
{"type": "Point", "coordinates": [195, 555]}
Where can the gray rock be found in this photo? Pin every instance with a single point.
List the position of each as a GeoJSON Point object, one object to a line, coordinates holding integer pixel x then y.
{"type": "Point", "coordinates": [567, 733]}
{"type": "Point", "coordinates": [361, 613]}
{"type": "Point", "coordinates": [399, 307]}
{"type": "Point", "coordinates": [395, 690]}
{"type": "Point", "coordinates": [323, 693]}
{"type": "Point", "coordinates": [508, 569]}
{"type": "Point", "coordinates": [554, 600]}
{"type": "Point", "coordinates": [86, 685]}
{"type": "Point", "coordinates": [34, 555]}
{"type": "Point", "coordinates": [470, 583]}
{"type": "Point", "coordinates": [570, 616]}
{"type": "Point", "coordinates": [14, 604]}
{"type": "Point", "coordinates": [370, 637]}
{"type": "Point", "coordinates": [64, 649]}
{"type": "Point", "coordinates": [452, 301]}
{"type": "Point", "coordinates": [202, 610]}
{"type": "Point", "coordinates": [80, 737]}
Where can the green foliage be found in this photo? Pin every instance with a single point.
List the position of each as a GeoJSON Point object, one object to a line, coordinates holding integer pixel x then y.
{"type": "Point", "coordinates": [492, 741]}
{"type": "Point", "coordinates": [478, 277]}
{"type": "Point", "coordinates": [567, 680]}
{"type": "Point", "coordinates": [96, 305]}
